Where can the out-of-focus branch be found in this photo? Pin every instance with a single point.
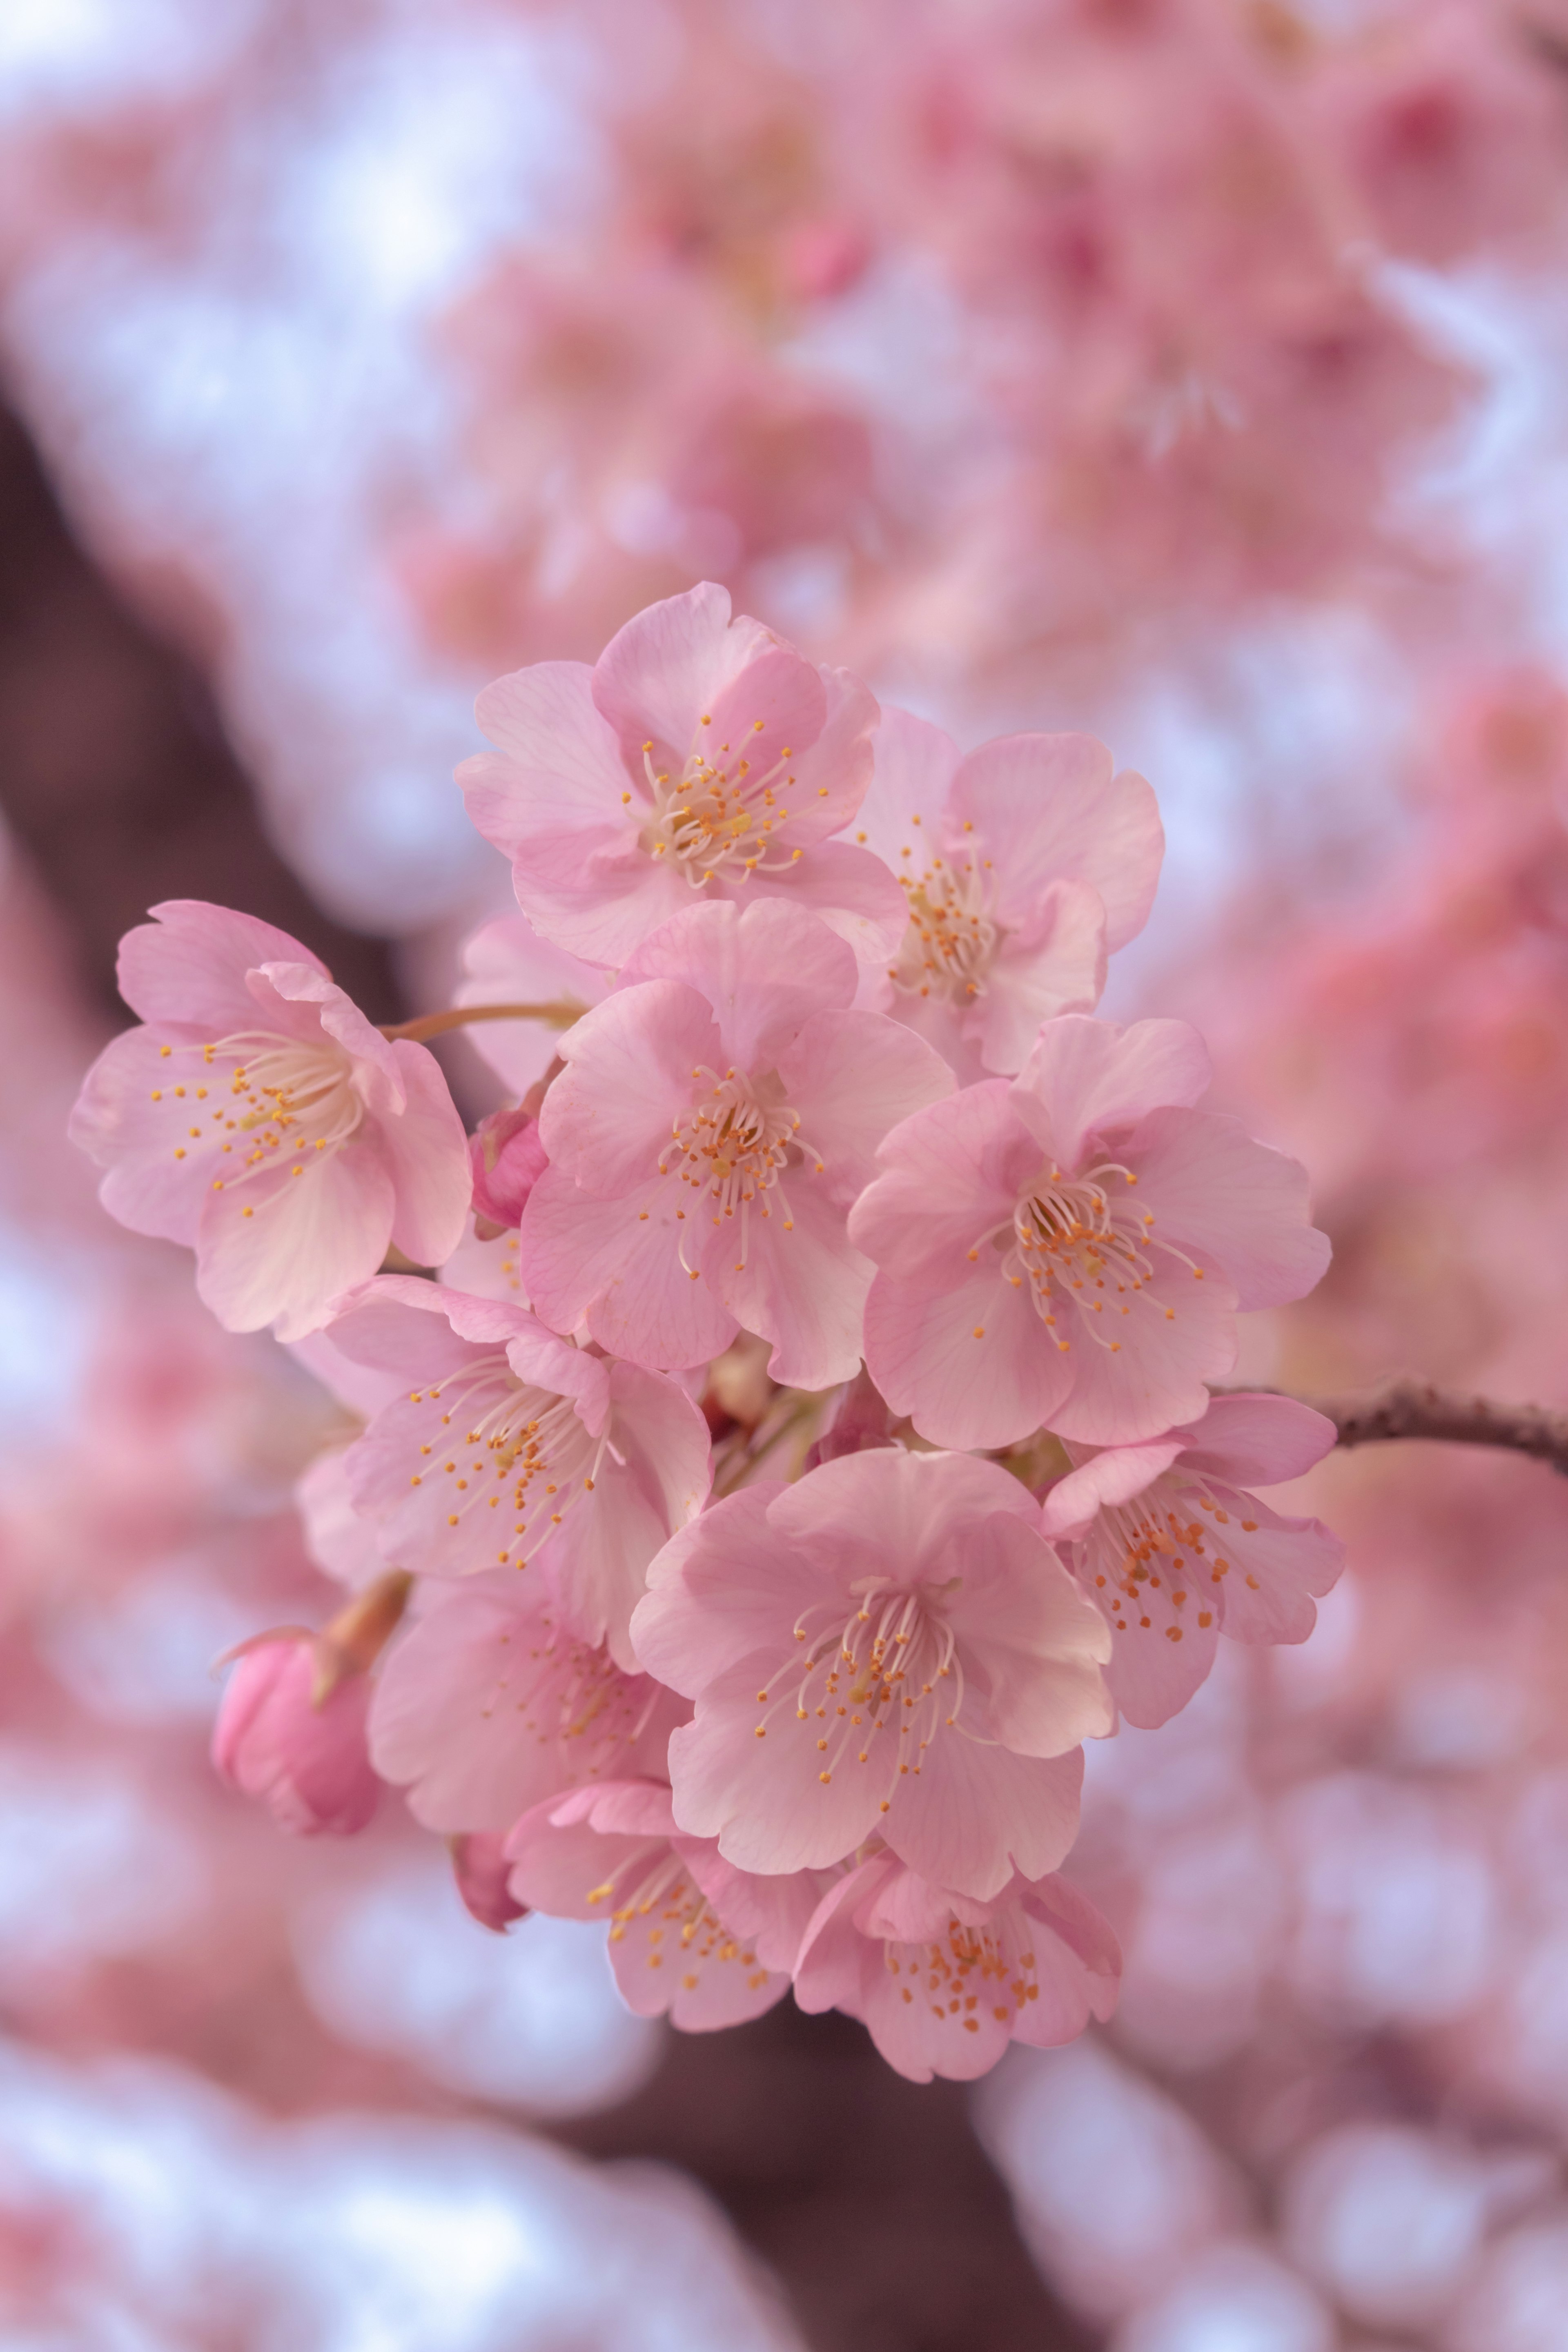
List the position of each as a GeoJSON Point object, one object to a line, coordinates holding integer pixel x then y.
{"type": "Point", "coordinates": [1410, 1408]}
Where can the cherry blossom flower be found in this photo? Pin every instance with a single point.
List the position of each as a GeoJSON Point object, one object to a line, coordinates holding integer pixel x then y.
{"type": "Point", "coordinates": [260, 1119]}
{"type": "Point", "coordinates": [944, 1983]}
{"type": "Point", "coordinates": [888, 1645]}
{"type": "Point", "coordinates": [689, 1935]}
{"type": "Point", "coordinates": [1167, 1538]}
{"type": "Point", "coordinates": [290, 1728]}
{"type": "Point", "coordinates": [512, 1446]}
{"type": "Point", "coordinates": [716, 1119]}
{"type": "Point", "coordinates": [479, 1871]}
{"type": "Point", "coordinates": [1023, 866]}
{"type": "Point", "coordinates": [1071, 1250]}
{"type": "Point", "coordinates": [489, 1704]}
{"type": "Point", "coordinates": [700, 754]}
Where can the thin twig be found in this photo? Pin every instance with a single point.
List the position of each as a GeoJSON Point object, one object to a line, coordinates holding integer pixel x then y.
{"type": "Point", "coordinates": [559, 1014]}
{"type": "Point", "coordinates": [1410, 1408]}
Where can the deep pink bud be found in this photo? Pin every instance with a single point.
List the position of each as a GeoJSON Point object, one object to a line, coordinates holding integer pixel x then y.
{"type": "Point", "coordinates": [481, 1869]}
{"type": "Point", "coordinates": [508, 1162]}
{"type": "Point", "coordinates": [290, 1727]}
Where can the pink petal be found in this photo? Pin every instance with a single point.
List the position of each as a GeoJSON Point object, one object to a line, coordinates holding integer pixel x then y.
{"type": "Point", "coordinates": [305, 1241]}
{"type": "Point", "coordinates": [129, 1119]}
{"type": "Point", "coordinates": [853, 893]}
{"type": "Point", "coordinates": [615, 1265]}
{"type": "Point", "coordinates": [953, 1175]}
{"type": "Point", "coordinates": [1059, 969]}
{"type": "Point", "coordinates": [1276, 1568]}
{"type": "Point", "coordinates": [185, 970]}
{"type": "Point", "coordinates": [669, 663]}
{"type": "Point", "coordinates": [713, 1596]}
{"type": "Point", "coordinates": [1086, 1078]}
{"type": "Point", "coordinates": [1049, 810]}
{"type": "Point", "coordinates": [1180, 1335]}
{"type": "Point", "coordinates": [427, 1155]}
{"type": "Point", "coordinates": [1232, 1203]}
{"type": "Point", "coordinates": [1258, 1441]}
{"type": "Point", "coordinates": [852, 1077]}
{"type": "Point", "coordinates": [1153, 1675]}
{"type": "Point", "coordinates": [1112, 1478]}
{"type": "Point", "coordinates": [766, 1800]}
{"type": "Point", "coordinates": [972, 1366]}
{"type": "Point", "coordinates": [339, 1541]}
{"type": "Point", "coordinates": [891, 1506]}
{"type": "Point", "coordinates": [555, 753]}
{"type": "Point", "coordinates": [764, 968]}
{"type": "Point", "coordinates": [605, 1122]}
{"type": "Point", "coordinates": [1036, 1644]}
{"type": "Point", "coordinates": [800, 1285]}
{"type": "Point", "coordinates": [915, 765]}
{"type": "Point", "coordinates": [978, 1812]}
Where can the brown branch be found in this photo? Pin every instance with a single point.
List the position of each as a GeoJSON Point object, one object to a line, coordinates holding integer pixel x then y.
{"type": "Point", "coordinates": [1410, 1408]}
{"type": "Point", "coordinates": [560, 1014]}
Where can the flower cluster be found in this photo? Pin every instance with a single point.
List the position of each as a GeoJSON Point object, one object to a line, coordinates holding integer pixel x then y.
{"type": "Point", "coordinates": [806, 1443]}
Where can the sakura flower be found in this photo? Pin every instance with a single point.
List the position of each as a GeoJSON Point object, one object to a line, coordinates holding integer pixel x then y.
{"type": "Point", "coordinates": [260, 1119]}
{"type": "Point", "coordinates": [944, 1983]}
{"type": "Point", "coordinates": [716, 1119]}
{"type": "Point", "coordinates": [700, 754]}
{"type": "Point", "coordinates": [506, 962]}
{"type": "Point", "coordinates": [1023, 866]}
{"type": "Point", "coordinates": [488, 1704]}
{"type": "Point", "coordinates": [1167, 1538]}
{"type": "Point", "coordinates": [1071, 1250]}
{"type": "Point", "coordinates": [888, 1645]}
{"type": "Point", "coordinates": [291, 1726]}
{"type": "Point", "coordinates": [690, 1936]}
{"type": "Point", "coordinates": [510, 1446]}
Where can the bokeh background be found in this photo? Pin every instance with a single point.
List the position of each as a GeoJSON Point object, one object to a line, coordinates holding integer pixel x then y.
{"type": "Point", "coordinates": [1191, 371]}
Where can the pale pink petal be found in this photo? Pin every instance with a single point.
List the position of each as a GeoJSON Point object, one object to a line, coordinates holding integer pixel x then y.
{"type": "Point", "coordinates": [764, 968]}
{"type": "Point", "coordinates": [852, 891]}
{"type": "Point", "coordinates": [952, 1176]}
{"type": "Point", "coordinates": [606, 1121]}
{"type": "Point", "coordinates": [668, 664]}
{"type": "Point", "coordinates": [615, 1265]}
{"type": "Point", "coordinates": [427, 1153]}
{"type": "Point", "coordinates": [1152, 1673]}
{"type": "Point", "coordinates": [283, 1249]}
{"type": "Point", "coordinates": [1048, 809]}
{"type": "Point", "coordinates": [487, 1270]}
{"type": "Point", "coordinates": [852, 1077]}
{"type": "Point", "coordinates": [1274, 1568]}
{"type": "Point", "coordinates": [508, 962]}
{"type": "Point", "coordinates": [1258, 1441]}
{"type": "Point", "coordinates": [1180, 1333]}
{"type": "Point", "coordinates": [831, 776]}
{"type": "Point", "coordinates": [915, 764]}
{"type": "Point", "coordinates": [338, 1539]}
{"type": "Point", "coordinates": [801, 1283]}
{"type": "Point", "coordinates": [1086, 1078]}
{"type": "Point", "coordinates": [1033, 1645]}
{"type": "Point", "coordinates": [1056, 966]}
{"type": "Point", "coordinates": [978, 1814]}
{"type": "Point", "coordinates": [1108, 1479]}
{"type": "Point", "coordinates": [597, 895]}
{"type": "Point", "coordinates": [185, 970]}
{"type": "Point", "coordinates": [714, 1592]}
{"type": "Point", "coordinates": [774, 1803]}
{"type": "Point", "coordinates": [974, 1366]}
{"type": "Point", "coordinates": [772, 1913]}
{"type": "Point", "coordinates": [130, 1121]}
{"type": "Point", "coordinates": [1232, 1203]}
{"type": "Point", "coordinates": [918, 1509]}
{"type": "Point", "coordinates": [555, 751]}
{"type": "Point", "coordinates": [415, 1333]}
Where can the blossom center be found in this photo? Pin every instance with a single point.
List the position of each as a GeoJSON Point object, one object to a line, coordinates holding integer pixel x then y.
{"type": "Point", "coordinates": [1148, 1555]}
{"type": "Point", "coordinates": [655, 1891]}
{"type": "Point", "coordinates": [880, 1684]}
{"type": "Point", "coordinates": [573, 1699]}
{"type": "Point", "coordinates": [286, 1103]}
{"type": "Point", "coordinates": [731, 1145]}
{"type": "Point", "coordinates": [523, 1455]}
{"type": "Point", "coordinates": [1075, 1244]}
{"type": "Point", "coordinates": [953, 935]}
{"type": "Point", "coordinates": [989, 1967]}
{"type": "Point", "coordinates": [721, 813]}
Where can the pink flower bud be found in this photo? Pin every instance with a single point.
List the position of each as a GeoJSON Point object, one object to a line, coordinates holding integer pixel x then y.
{"type": "Point", "coordinates": [307, 1761]}
{"type": "Point", "coordinates": [507, 1160]}
{"type": "Point", "coordinates": [481, 1869]}
{"type": "Point", "coordinates": [290, 1728]}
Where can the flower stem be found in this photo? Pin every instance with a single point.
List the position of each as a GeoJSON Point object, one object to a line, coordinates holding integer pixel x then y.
{"type": "Point", "coordinates": [559, 1012]}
